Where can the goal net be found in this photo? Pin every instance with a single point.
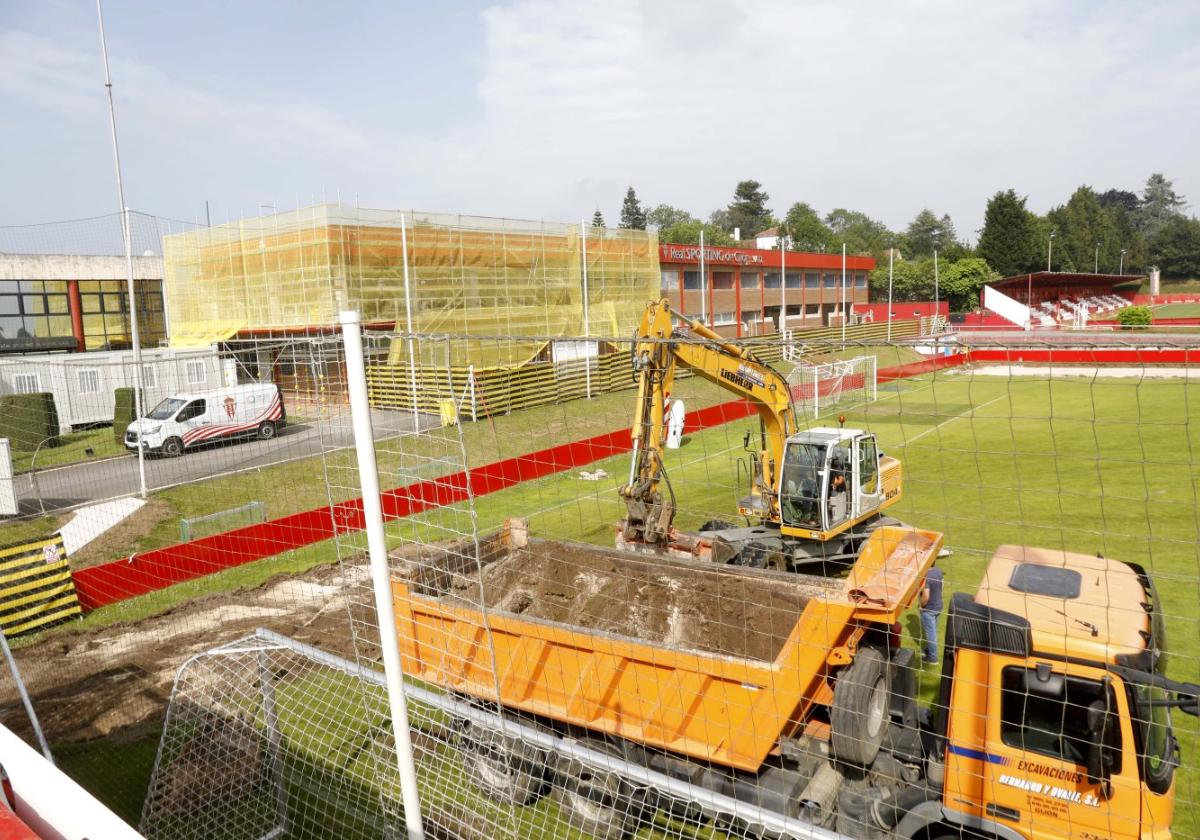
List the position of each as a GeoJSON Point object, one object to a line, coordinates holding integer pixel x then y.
{"type": "Point", "coordinates": [818, 388]}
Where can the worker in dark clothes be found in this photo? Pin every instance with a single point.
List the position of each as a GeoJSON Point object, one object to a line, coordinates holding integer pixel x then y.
{"type": "Point", "coordinates": [931, 608]}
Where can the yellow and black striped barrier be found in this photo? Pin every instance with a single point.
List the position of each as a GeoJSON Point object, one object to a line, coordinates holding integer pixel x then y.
{"type": "Point", "coordinates": [36, 589]}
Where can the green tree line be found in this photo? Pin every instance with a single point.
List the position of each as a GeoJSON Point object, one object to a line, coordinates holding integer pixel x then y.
{"type": "Point", "coordinates": [1112, 231]}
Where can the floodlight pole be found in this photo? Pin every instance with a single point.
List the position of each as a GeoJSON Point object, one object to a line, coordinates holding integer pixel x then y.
{"type": "Point", "coordinates": [703, 294]}
{"type": "Point", "coordinates": [408, 326]}
{"type": "Point", "coordinates": [844, 293]}
{"type": "Point", "coordinates": [782, 292]}
{"type": "Point", "coordinates": [385, 610]}
{"type": "Point", "coordinates": [587, 359]}
{"type": "Point", "coordinates": [130, 291]}
{"type": "Point", "coordinates": [891, 266]}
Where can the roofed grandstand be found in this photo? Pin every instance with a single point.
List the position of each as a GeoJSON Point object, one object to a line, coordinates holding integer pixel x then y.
{"type": "Point", "coordinates": [1052, 299]}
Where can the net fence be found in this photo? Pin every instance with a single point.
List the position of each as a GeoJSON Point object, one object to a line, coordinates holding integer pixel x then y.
{"type": "Point", "coordinates": [719, 680]}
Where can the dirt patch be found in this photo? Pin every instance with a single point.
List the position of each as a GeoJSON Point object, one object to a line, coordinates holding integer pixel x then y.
{"type": "Point", "coordinates": [91, 684]}
{"type": "Point", "coordinates": [115, 542]}
{"type": "Point", "coordinates": [712, 609]}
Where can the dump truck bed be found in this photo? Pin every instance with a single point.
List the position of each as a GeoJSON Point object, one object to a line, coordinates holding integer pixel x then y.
{"type": "Point", "coordinates": [714, 662]}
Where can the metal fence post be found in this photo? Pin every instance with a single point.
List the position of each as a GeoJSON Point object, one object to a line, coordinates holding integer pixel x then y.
{"type": "Point", "coordinates": [368, 476]}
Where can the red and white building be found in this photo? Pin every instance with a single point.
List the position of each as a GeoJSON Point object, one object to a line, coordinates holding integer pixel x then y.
{"type": "Point", "coordinates": [743, 291]}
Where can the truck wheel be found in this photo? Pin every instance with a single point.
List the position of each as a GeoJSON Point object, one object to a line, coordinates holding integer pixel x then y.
{"type": "Point", "coordinates": [859, 717]}
{"type": "Point", "coordinates": [504, 769]}
{"type": "Point", "coordinates": [597, 801]}
{"type": "Point", "coordinates": [267, 430]}
{"type": "Point", "coordinates": [172, 447]}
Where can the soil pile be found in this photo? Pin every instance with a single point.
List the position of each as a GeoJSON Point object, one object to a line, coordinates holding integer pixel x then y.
{"type": "Point", "coordinates": [713, 609]}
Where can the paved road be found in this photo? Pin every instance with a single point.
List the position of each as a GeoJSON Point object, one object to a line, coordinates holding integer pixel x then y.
{"type": "Point", "coordinates": [69, 486]}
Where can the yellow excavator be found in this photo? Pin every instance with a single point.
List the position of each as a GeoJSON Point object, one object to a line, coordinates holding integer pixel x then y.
{"type": "Point", "coordinates": [815, 495]}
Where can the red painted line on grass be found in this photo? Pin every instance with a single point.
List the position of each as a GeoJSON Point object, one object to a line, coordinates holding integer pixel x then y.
{"type": "Point", "coordinates": [108, 583]}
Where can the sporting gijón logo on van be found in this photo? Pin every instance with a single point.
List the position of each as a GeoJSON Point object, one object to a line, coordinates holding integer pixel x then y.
{"type": "Point", "coordinates": [274, 412]}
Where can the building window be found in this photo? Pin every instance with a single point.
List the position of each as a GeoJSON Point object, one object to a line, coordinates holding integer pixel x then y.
{"type": "Point", "coordinates": [26, 383]}
{"type": "Point", "coordinates": [197, 372]}
{"type": "Point", "coordinates": [670, 280]}
{"type": "Point", "coordinates": [721, 319]}
{"type": "Point", "coordinates": [691, 280]}
{"type": "Point", "coordinates": [793, 280]}
{"type": "Point", "coordinates": [89, 380]}
{"type": "Point", "coordinates": [860, 280]}
{"type": "Point", "coordinates": [31, 309]}
{"type": "Point", "coordinates": [831, 281]}
{"type": "Point", "coordinates": [722, 281]}
{"type": "Point", "coordinates": [750, 279]}
{"type": "Point", "coordinates": [149, 376]}
{"type": "Point", "coordinates": [814, 309]}
{"type": "Point", "coordinates": [771, 280]}
{"type": "Point", "coordinates": [106, 314]}
{"type": "Point", "coordinates": [812, 280]}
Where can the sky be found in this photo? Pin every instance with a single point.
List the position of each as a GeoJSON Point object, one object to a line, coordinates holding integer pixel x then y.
{"type": "Point", "coordinates": [547, 109]}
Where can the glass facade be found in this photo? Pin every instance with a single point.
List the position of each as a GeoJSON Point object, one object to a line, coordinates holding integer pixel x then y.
{"type": "Point", "coordinates": [105, 309]}
{"type": "Point", "coordinates": [34, 309]}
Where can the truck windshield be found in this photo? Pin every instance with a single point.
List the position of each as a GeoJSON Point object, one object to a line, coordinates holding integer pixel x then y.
{"type": "Point", "coordinates": [166, 409]}
{"type": "Point", "coordinates": [1156, 739]}
{"type": "Point", "coordinates": [800, 485]}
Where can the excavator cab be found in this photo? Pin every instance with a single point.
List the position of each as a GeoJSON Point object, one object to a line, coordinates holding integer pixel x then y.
{"type": "Point", "coordinates": [830, 477]}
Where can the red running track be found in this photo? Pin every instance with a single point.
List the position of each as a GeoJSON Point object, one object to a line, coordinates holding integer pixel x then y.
{"type": "Point", "coordinates": [108, 583]}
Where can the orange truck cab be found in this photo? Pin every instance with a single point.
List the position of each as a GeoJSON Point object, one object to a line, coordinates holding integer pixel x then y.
{"type": "Point", "coordinates": [1054, 708]}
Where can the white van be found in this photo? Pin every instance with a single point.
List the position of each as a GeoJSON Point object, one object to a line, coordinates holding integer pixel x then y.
{"type": "Point", "coordinates": [186, 420]}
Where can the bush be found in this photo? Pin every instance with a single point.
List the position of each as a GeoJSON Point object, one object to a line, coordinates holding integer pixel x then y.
{"type": "Point", "coordinates": [1135, 317]}
{"type": "Point", "coordinates": [28, 419]}
{"type": "Point", "coordinates": [124, 412]}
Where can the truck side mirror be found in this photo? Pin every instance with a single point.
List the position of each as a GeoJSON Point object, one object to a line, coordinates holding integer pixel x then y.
{"type": "Point", "coordinates": [1099, 761]}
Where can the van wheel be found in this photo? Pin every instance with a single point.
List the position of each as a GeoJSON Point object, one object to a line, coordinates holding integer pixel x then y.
{"type": "Point", "coordinates": [267, 430]}
{"type": "Point", "coordinates": [172, 447]}
{"type": "Point", "coordinates": [859, 717]}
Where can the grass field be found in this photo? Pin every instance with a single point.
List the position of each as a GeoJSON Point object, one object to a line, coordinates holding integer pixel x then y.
{"type": "Point", "coordinates": [1105, 466]}
{"type": "Point", "coordinates": [1177, 310]}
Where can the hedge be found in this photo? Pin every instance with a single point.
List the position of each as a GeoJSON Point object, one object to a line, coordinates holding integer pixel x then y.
{"type": "Point", "coordinates": [28, 420]}
{"type": "Point", "coordinates": [124, 412]}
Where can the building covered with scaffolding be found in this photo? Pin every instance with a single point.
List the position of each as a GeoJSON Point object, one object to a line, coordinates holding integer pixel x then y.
{"type": "Point", "coordinates": [252, 284]}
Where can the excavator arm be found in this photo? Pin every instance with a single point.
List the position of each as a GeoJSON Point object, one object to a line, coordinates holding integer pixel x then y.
{"type": "Point", "coordinates": [661, 346]}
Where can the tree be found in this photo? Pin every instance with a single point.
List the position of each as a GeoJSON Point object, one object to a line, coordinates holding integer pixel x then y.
{"type": "Point", "coordinates": [1160, 204]}
{"type": "Point", "coordinates": [861, 233]}
{"type": "Point", "coordinates": [912, 280]}
{"type": "Point", "coordinates": [597, 219]}
{"type": "Point", "coordinates": [748, 211]}
{"type": "Point", "coordinates": [688, 233]}
{"type": "Point", "coordinates": [927, 233]}
{"type": "Point", "coordinates": [806, 230]}
{"type": "Point", "coordinates": [1123, 199]}
{"type": "Point", "coordinates": [1008, 241]}
{"type": "Point", "coordinates": [961, 281]}
{"type": "Point", "coordinates": [1175, 249]}
{"type": "Point", "coordinates": [633, 217]}
{"type": "Point", "coordinates": [1086, 237]}
{"type": "Point", "coordinates": [664, 216]}
{"type": "Point", "coordinates": [1133, 317]}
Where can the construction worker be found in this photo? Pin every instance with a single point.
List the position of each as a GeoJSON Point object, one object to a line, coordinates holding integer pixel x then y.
{"type": "Point", "coordinates": [931, 607]}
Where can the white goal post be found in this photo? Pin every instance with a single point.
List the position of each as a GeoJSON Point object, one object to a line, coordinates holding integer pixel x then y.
{"type": "Point", "coordinates": [822, 387]}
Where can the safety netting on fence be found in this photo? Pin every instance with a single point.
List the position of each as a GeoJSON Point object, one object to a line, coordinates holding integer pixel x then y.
{"type": "Point", "coordinates": [682, 608]}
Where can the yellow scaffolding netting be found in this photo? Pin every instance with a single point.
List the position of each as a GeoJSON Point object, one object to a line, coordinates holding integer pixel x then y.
{"type": "Point", "coordinates": [467, 276]}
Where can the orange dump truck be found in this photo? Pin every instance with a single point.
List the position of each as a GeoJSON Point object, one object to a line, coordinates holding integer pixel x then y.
{"type": "Point", "coordinates": [787, 691]}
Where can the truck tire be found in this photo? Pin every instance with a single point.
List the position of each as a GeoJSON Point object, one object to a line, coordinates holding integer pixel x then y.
{"type": "Point", "coordinates": [172, 447]}
{"type": "Point", "coordinates": [859, 717]}
{"type": "Point", "coordinates": [597, 801]}
{"type": "Point", "coordinates": [504, 769]}
{"type": "Point", "coordinates": [266, 431]}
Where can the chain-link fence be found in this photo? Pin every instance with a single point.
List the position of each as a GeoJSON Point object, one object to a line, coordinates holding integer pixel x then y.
{"type": "Point", "coordinates": [751, 662]}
